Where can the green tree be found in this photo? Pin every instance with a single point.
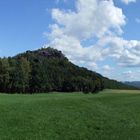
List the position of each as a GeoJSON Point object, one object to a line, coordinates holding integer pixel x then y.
{"type": "Point", "coordinates": [25, 69]}
{"type": "Point", "coordinates": [20, 75]}
{"type": "Point", "coordinates": [4, 74]}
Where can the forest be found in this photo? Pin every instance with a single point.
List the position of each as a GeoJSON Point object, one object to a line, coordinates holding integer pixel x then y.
{"type": "Point", "coordinates": [46, 70]}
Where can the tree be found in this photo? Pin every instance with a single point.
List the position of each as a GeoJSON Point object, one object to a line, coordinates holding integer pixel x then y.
{"type": "Point", "coordinates": [20, 75]}
{"type": "Point", "coordinates": [4, 74]}
{"type": "Point", "coordinates": [25, 69]}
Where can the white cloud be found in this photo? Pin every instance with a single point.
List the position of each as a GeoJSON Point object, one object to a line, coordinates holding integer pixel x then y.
{"type": "Point", "coordinates": [91, 66]}
{"type": "Point", "coordinates": [128, 1]}
{"type": "Point", "coordinates": [97, 20]}
{"type": "Point", "coordinates": [127, 72]}
{"type": "Point", "coordinates": [126, 52]}
{"type": "Point", "coordinates": [130, 75]}
{"type": "Point", "coordinates": [92, 19]}
{"type": "Point", "coordinates": [107, 68]}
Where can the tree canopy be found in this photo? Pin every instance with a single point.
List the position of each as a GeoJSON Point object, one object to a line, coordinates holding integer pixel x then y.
{"type": "Point", "coordinates": [46, 70]}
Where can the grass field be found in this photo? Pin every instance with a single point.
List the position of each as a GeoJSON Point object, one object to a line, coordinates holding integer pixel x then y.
{"type": "Point", "coordinates": [110, 115]}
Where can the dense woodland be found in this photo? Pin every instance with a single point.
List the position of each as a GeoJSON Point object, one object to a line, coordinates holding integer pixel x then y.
{"type": "Point", "coordinates": [46, 70]}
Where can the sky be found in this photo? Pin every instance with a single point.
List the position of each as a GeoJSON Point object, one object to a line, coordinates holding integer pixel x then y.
{"type": "Point", "coordinates": [101, 35]}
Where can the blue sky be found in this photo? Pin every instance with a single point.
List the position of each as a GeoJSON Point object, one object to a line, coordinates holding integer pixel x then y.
{"type": "Point", "coordinates": [22, 23]}
{"type": "Point", "coordinates": [29, 24]}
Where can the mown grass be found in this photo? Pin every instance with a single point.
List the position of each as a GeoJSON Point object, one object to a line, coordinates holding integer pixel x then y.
{"type": "Point", "coordinates": [103, 116]}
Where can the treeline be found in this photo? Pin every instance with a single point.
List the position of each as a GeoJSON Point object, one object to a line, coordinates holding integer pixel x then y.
{"type": "Point", "coordinates": [113, 84]}
{"type": "Point", "coordinates": [47, 70]}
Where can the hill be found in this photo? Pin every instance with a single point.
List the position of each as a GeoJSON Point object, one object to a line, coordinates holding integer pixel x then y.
{"type": "Point", "coordinates": [46, 70]}
{"type": "Point", "coordinates": [133, 83]}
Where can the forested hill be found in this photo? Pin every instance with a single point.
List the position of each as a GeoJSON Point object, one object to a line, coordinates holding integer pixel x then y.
{"type": "Point", "coordinates": [46, 70]}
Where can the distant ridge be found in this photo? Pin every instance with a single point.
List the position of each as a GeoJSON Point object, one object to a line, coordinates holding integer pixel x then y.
{"type": "Point", "coordinates": [133, 83]}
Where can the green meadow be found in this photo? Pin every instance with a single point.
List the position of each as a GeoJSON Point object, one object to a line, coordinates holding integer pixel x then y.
{"type": "Point", "coordinates": [108, 115]}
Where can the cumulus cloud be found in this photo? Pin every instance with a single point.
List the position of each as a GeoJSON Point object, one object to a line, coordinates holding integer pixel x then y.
{"type": "Point", "coordinates": [128, 1]}
{"type": "Point", "coordinates": [127, 52]}
{"type": "Point", "coordinates": [98, 20]}
{"type": "Point", "coordinates": [92, 19]}
{"type": "Point", "coordinates": [130, 75]}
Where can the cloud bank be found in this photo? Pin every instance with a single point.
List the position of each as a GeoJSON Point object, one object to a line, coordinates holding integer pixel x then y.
{"type": "Point", "coordinates": [93, 33]}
